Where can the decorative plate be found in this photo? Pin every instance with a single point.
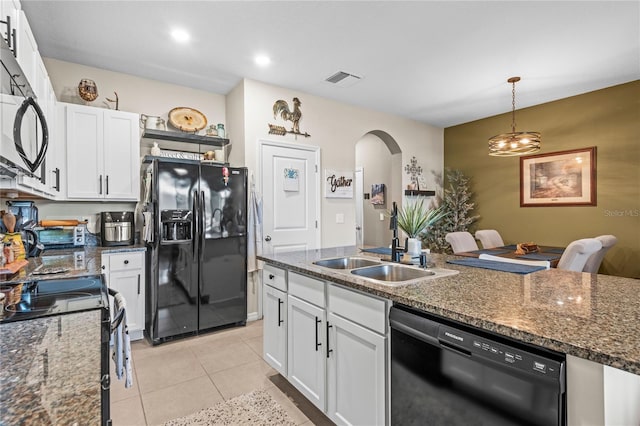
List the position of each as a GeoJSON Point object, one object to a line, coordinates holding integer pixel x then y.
{"type": "Point", "coordinates": [187, 119]}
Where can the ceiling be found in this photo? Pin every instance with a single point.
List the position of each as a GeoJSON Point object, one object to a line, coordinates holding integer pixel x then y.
{"type": "Point", "coordinates": [438, 62]}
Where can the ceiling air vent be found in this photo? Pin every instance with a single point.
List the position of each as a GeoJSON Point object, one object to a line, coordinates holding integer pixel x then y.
{"type": "Point", "coordinates": [343, 79]}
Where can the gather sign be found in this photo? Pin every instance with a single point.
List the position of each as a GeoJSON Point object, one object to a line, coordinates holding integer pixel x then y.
{"type": "Point", "coordinates": [338, 184]}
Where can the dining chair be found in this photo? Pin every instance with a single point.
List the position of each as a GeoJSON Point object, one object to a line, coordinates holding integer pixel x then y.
{"type": "Point", "coordinates": [544, 263]}
{"type": "Point", "coordinates": [461, 241]}
{"type": "Point", "coordinates": [577, 253]}
{"type": "Point", "coordinates": [489, 238]}
{"type": "Point", "coordinates": [594, 261]}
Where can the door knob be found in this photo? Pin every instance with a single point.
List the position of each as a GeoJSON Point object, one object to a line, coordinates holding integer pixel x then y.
{"type": "Point", "coordinates": [267, 238]}
{"type": "Point", "coordinates": [358, 228]}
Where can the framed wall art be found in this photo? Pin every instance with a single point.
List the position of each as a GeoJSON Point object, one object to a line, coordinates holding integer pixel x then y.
{"type": "Point", "coordinates": [377, 194]}
{"type": "Point", "coordinates": [564, 178]}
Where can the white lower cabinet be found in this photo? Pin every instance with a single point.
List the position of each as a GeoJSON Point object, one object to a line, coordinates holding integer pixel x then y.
{"type": "Point", "coordinates": [306, 357]}
{"type": "Point", "coordinates": [275, 322]}
{"type": "Point", "coordinates": [337, 345]}
{"type": "Point", "coordinates": [274, 307]}
{"type": "Point", "coordinates": [125, 273]}
{"type": "Point", "coordinates": [356, 374]}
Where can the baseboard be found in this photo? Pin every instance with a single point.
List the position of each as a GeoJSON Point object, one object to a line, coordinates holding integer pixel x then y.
{"type": "Point", "coordinates": [253, 316]}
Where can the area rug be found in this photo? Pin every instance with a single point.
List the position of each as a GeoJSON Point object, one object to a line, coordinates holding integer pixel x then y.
{"type": "Point", "coordinates": [255, 408]}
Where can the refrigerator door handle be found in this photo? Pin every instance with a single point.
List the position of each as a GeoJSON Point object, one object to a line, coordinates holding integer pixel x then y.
{"type": "Point", "coordinates": [202, 227]}
{"type": "Point", "coordinates": [195, 230]}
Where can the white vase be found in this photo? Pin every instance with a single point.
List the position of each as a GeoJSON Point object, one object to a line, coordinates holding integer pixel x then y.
{"type": "Point", "coordinates": [414, 246]}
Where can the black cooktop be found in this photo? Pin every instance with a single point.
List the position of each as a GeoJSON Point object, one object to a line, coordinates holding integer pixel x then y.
{"type": "Point", "coordinates": [57, 296]}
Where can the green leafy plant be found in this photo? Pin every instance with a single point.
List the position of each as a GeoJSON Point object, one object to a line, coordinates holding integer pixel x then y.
{"type": "Point", "coordinates": [456, 198]}
{"type": "Point", "coordinates": [415, 217]}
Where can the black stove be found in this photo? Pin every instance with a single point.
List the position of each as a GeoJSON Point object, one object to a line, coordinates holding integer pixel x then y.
{"type": "Point", "coordinates": [42, 298]}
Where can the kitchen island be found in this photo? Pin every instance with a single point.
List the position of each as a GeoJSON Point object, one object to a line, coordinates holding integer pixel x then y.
{"type": "Point", "coordinates": [593, 319]}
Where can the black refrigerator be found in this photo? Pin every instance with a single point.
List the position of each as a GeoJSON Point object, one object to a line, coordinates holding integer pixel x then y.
{"type": "Point", "coordinates": [197, 257]}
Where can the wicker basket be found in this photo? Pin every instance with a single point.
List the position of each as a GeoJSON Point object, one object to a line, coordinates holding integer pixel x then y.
{"type": "Point", "coordinates": [12, 294]}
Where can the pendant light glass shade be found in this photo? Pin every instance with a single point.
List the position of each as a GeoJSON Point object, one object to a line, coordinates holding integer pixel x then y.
{"type": "Point", "coordinates": [514, 143]}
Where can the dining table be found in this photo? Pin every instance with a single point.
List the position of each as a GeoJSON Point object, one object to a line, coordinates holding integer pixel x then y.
{"type": "Point", "coordinates": [549, 253]}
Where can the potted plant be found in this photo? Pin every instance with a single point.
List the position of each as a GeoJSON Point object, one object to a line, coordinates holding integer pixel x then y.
{"type": "Point", "coordinates": [414, 218]}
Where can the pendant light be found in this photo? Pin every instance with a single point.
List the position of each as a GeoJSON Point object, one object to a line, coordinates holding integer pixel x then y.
{"type": "Point", "coordinates": [514, 143]}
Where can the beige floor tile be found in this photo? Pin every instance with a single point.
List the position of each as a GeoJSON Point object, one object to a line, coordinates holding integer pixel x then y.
{"type": "Point", "coordinates": [215, 357]}
{"type": "Point", "coordinates": [242, 379]}
{"type": "Point", "coordinates": [217, 338]}
{"type": "Point", "coordinates": [117, 390]}
{"type": "Point", "coordinates": [166, 369]}
{"type": "Point", "coordinates": [251, 330]}
{"type": "Point", "coordinates": [142, 348]}
{"type": "Point", "coordinates": [255, 343]}
{"type": "Point", "coordinates": [127, 412]}
{"type": "Point", "coordinates": [179, 400]}
{"type": "Point", "coordinates": [288, 405]}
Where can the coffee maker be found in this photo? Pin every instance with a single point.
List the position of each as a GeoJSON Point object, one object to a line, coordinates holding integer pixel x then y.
{"type": "Point", "coordinates": [117, 228]}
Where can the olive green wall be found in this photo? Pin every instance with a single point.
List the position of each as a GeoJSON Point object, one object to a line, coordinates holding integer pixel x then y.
{"type": "Point", "coordinates": [608, 119]}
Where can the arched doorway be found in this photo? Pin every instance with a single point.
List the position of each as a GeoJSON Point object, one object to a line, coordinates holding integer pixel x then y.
{"type": "Point", "coordinates": [378, 161]}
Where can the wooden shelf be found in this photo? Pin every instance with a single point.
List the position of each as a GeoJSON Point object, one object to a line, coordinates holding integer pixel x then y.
{"type": "Point", "coordinates": [167, 135]}
{"type": "Point", "coordinates": [416, 192]}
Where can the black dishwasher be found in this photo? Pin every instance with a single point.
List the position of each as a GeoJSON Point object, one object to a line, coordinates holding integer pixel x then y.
{"type": "Point", "coordinates": [446, 373]}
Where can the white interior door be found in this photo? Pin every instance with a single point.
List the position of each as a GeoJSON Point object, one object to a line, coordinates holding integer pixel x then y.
{"type": "Point", "coordinates": [290, 194]}
{"type": "Point", "coordinates": [359, 199]}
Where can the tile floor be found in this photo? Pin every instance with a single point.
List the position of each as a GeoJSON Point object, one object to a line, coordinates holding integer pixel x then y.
{"type": "Point", "coordinates": [179, 378]}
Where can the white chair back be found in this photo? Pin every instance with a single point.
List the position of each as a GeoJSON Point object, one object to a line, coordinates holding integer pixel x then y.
{"type": "Point", "coordinates": [489, 238]}
{"type": "Point", "coordinates": [461, 241]}
{"type": "Point", "coordinates": [577, 253]}
{"type": "Point", "coordinates": [544, 263]}
{"type": "Point", "coordinates": [594, 261]}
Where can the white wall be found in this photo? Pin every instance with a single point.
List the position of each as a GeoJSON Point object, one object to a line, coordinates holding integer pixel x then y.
{"type": "Point", "coordinates": [336, 128]}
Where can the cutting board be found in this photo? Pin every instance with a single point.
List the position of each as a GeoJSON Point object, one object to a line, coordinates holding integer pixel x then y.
{"type": "Point", "coordinates": [13, 267]}
{"type": "Point", "coordinates": [60, 222]}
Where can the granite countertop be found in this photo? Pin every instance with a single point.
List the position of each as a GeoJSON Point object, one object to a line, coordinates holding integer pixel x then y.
{"type": "Point", "coordinates": [78, 262]}
{"type": "Point", "coordinates": [595, 317]}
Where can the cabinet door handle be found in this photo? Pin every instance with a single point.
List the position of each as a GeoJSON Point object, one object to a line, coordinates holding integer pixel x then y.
{"type": "Point", "coordinates": [57, 172]}
{"type": "Point", "coordinates": [100, 185]}
{"type": "Point", "coordinates": [14, 36]}
{"type": "Point", "coordinates": [59, 325]}
{"type": "Point", "coordinates": [126, 261]}
{"type": "Point", "coordinates": [8, 23]}
{"type": "Point", "coordinates": [271, 276]}
{"type": "Point", "coordinates": [138, 283]}
{"type": "Point", "coordinates": [318, 344]}
{"type": "Point", "coordinates": [280, 320]}
{"type": "Point", "coordinates": [103, 267]}
{"type": "Point", "coordinates": [107, 183]}
{"type": "Point", "coordinates": [328, 350]}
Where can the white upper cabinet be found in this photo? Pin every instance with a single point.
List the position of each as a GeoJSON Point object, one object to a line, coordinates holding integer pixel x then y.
{"type": "Point", "coordinates": [27, 48]}
{"type": "Point", "coordinates": [11, 9]}
{"type": "Point", "coordinates": [103, 154]}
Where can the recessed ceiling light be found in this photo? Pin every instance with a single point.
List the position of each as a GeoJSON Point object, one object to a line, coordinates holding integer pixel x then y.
{"type": "Point", "coordinates": [180, 35]}
{"type": "Point", "coordinates": [263, 60]}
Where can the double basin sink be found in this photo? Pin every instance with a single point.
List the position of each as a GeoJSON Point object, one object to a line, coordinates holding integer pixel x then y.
{"type": "Point", "coordinates": [382, 272]}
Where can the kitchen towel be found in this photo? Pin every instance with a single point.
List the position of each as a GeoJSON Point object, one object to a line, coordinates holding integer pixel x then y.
{"type": "Point", "coordinates": [122, 343]}
{"type": "Point", "coordinates": [254, 230]}
{"type": "Point", "coordinates": [515, 268]}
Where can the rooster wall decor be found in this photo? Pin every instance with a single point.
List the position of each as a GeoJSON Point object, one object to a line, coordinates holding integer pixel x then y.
{"type": "Point", "coordinates": [281, 108]}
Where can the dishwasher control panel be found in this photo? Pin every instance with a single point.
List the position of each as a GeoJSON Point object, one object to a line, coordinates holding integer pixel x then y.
{"type": "Point", "coordinates": [493, 351]}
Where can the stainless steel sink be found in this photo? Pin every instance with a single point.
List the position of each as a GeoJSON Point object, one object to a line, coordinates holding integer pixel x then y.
{"type": "Point", "coordinates": [394, 273]}
{"type": "Point", "coordinates": [346, 263]}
